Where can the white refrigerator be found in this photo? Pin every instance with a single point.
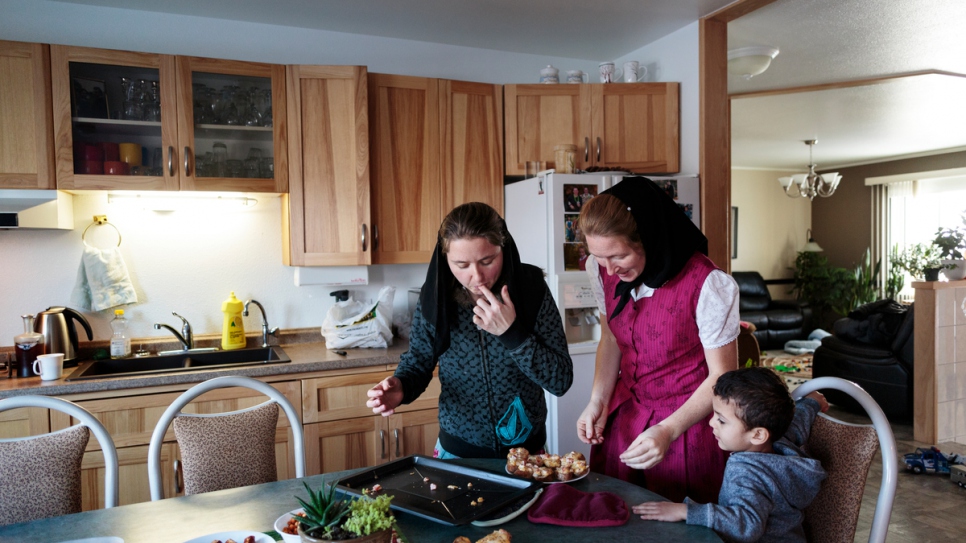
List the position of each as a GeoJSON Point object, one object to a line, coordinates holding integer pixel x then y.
{"type": "Point", "coordinates": [541, 214]}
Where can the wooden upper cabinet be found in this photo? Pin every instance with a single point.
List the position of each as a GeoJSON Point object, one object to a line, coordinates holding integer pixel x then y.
{"type": "Point", "coordinates": [540, 117]}
{"type": "Point", "coordinates": [636, 126]}
{"type": "Point", "coordinates": [242, 107]}
{"type": "Point", "coordinates": [633, 126]}
{"type": "Point", "coordinates": [325, 216]}
{"type": "Point", "coordinates": [471, 129]}
{"type": "Point", "coordinates": [93, 105]}
{"type": "Point", "coordinates": [404, 130]}
{"type": "Point", "coordinates": [26, 124]}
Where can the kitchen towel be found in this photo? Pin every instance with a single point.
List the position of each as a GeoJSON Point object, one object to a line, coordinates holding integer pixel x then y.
{"type": "Point", "coordinates": [564, 505]}
{"type": "Point", "coordinates": [102, 280]}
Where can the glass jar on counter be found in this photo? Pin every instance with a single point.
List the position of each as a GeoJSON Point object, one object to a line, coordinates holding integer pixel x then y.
{"type": "Point", "coordinates": [27, 345]}
{"type": "Point", "coordinates": [564, 158]}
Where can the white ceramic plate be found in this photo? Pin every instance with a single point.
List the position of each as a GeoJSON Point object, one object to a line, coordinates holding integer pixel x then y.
{"type": "Point", "coordinates": [282, 522]}
{"type": "Point", "coordinates": [108, 539]}
{"type": "Point", "coordinates": [238, 535]}
{"type": "Point", "coordinates": [547, 482]}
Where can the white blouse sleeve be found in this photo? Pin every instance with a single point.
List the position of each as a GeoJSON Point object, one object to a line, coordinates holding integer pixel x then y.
{"type": "Point", "coordinates": [717, 312]}
{"type": "Point", "coordinates": [593, 271]}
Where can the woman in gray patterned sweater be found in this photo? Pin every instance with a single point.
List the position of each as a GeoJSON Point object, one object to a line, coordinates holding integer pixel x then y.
{"type": "Point", "coordinates": [490, 323]}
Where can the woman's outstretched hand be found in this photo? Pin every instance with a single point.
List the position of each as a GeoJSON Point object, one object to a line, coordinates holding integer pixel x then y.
{"type": "Point", "coordinates": [386, 396]}
{"type": "Point", "coordinates": [491, 314]}
{"type": "Point", "coordinates": [590, 425]}
{"type": "Point", "coordinates": [648, 449]}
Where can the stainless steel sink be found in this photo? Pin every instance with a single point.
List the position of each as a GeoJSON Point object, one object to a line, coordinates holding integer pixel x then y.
{"type": "Point", "coordinates": [178, 362]}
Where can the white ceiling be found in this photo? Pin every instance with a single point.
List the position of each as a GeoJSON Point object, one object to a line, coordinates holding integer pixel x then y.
{"type": "Point", "coordinates": [821, 41]}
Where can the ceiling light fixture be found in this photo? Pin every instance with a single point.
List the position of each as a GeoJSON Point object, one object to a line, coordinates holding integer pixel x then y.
{"type": "Point", "coordinates": [811, 184]}
{"type": "Point", "coordinates": [750, 61]}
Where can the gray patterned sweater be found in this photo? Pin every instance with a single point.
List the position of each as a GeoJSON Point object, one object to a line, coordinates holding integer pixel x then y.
{"type": "Point", "coordinates": [492, 387]}
{"type": "Point", "coordinates": [764, 495]}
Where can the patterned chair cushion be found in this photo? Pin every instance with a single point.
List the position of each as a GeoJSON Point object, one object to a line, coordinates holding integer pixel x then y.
{"type": "Point", "coordinates": [228, 450]}
{"type": "Point", "coordinates": [41, 476]}
{"type": "Point", "coordinates": [846, 452]}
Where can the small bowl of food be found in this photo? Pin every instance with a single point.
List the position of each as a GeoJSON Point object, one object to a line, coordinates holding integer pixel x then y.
{"type": "Point", "coordinates": [287, 526]}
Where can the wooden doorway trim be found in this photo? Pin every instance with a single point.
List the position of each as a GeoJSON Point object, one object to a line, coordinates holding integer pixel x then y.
{"type": "Point", "coordinates": [715, 126]}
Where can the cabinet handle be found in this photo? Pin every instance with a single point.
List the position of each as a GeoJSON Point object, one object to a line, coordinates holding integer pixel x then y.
{"type": "Point", "coordinates": [171, 161]}
{"type": "Point", "coordinates": [177, 477]}
{"type": "Point", "coordinates": [395, 435]}
{"type": "Point", "coordinates": [187, 171]}
{"type": "Point", "coordinates": [598, 149]}
{"type": "Point", "coordinates": [364, 240]}
{"type": "Point", "coordinates": [586, 149]}
{"type": "Point", "coordinates": [375, 237]}
{"type": "Point", "coordinates": [382, 436]}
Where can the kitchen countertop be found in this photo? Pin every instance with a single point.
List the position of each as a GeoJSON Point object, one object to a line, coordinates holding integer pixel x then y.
{"type": "Point", "coordinates": [306, 358]}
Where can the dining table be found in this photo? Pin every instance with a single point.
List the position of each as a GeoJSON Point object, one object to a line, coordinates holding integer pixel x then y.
{"type": "Point", "coordinates": [255, 508]}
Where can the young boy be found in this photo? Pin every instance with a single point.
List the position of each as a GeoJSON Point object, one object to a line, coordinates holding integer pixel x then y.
{"type": "Point", "coordinates": [768, 481]}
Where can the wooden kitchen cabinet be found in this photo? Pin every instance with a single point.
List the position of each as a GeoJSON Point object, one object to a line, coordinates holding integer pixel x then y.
{"type": "Point", "coordinates": [176, 109]}
{"type": "Point", "coordinates": [26, 123]}
{"type": "Point", "coordinates": [131, 420]}
{"type": "Point", "coordinates": [632, 126]}
{"type": "Point", "coordinates": [435, 144]}
{"type": "Point", "coordinates": [325, 215]}
{"type": "Point", "coordinates": [342, 433]}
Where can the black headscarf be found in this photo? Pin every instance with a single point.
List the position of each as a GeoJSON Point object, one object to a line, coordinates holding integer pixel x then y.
{"type": "Point", "coordinates": [667, 234]}
{"type": "Point", "coordinates": [525, 284]}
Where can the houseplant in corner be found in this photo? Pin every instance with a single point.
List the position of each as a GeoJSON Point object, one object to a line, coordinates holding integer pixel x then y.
{"type": "Point", "coordinates": [328, 518]}
{"type": "Point", "coordinates": [952, 243]}
{"type": "Point", "coordinates": [922, 261]}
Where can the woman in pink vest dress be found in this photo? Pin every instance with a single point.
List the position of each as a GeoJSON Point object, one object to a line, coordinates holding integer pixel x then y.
{"type": "Point", "coordinates": [672, 321]}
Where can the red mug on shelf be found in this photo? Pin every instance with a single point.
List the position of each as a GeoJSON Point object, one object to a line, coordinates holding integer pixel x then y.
{"type": "Point", "coordinates": [89, 167]}
{"type": "Point", "coordinates": [115, 167]}
{"type": "Point", "coordinates": [110, 149]}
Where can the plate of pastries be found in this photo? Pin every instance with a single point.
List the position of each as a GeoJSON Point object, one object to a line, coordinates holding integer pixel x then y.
{"type": "Point", "coordinates": [546, 468]}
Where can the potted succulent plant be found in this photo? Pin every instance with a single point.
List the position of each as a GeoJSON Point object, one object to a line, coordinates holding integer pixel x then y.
{"type": "Point", "coordinates": [328, 518]}
{"type": "Point", "coordinates": [952, 243]}
{"type": "Point", "coordinates": [922, 261]}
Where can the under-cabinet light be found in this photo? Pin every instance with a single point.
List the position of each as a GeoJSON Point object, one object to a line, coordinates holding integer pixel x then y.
{"type": "Point", "coordinates": [182, 202]}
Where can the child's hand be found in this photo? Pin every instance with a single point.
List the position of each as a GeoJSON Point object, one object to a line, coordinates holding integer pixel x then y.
{"type": "Point", "coordinates": [818, 397]}
{"type": "Point", "coordinates": [663, 511]}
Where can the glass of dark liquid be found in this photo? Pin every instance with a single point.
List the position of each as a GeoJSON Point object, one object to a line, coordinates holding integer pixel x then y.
{"type": "Point", "coordinates": [27, 346]}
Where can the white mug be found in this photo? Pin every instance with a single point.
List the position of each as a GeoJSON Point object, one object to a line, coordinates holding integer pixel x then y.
{"type": "Point", "coordinates": [49, 366]}
{"type": "Point", "coordinates": [575, 76]}
{"type": "Point", "coordinates": [607, 72]}
{"type": "Point", "coordinates": [634, 72]}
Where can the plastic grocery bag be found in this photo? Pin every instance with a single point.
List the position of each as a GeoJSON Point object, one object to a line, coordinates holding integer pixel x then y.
{"type": "Point", "coordinates": [352, 324]}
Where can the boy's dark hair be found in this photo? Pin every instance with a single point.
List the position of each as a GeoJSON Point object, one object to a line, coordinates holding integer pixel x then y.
{"type": "Point", "coordinates": [761, 399]}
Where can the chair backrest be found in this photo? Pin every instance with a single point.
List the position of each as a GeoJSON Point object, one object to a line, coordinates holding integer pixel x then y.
{"type": "Point", "coordinates": [846, 451]}
{"type": "Point", "coordinates": [753, 292]}
{"type": "Point", "coordinates": [40, 476]}
{"type": "Point", "coordinates": [227, 425]}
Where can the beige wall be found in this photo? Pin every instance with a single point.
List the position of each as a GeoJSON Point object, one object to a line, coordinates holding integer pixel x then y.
{"type": "Point", "coordinates": [771, 226]}
{"type": "Point", "coordinates": [842, 222]}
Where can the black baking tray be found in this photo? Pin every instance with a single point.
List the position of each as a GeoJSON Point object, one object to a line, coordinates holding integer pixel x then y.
{"type": "Point", "coordinates": [403, 479]}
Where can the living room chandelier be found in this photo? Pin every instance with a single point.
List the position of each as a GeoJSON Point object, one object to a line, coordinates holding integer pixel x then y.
{"type": "Point", "coordinates": [811, 184]}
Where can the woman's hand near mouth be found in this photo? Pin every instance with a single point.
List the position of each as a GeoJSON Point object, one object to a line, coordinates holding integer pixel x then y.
{"type": "Point", "coordinates": [491, 314]}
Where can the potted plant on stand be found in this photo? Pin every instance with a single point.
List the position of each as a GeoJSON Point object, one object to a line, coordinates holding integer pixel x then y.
{"type": "Point", "coordinates": [328, 518]}
{"type": "Point", "coordinates": [951, 245]}
{"type": "Point", "coordinates": [922, 261]}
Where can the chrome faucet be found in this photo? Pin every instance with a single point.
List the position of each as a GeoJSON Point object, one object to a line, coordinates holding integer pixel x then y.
{"type": "Point", "coordinates": [185, 337]}
{"type": "Point", "coordinates": [265, 330]}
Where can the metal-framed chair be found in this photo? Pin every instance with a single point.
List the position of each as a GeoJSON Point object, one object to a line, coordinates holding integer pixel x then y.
{"type": "Point", "coordinates": [30, 488]}
{"type": "Point", "coordinates": [846, 451]}
{"type": "Point", "coordinates": [210, 443]}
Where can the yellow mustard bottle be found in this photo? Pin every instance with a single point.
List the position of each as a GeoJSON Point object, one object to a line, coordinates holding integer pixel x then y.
{"type": "Point", "coordinates": [233, 329]}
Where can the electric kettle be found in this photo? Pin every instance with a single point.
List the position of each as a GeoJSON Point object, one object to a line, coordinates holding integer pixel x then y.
{"type": "Point", "coordinates": [57, 326]}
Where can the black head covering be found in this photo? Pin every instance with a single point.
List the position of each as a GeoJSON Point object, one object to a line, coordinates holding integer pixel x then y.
{"type": "Point", "coordinates": [667, 234]}
{"type": "Point", "coordinates": [525, 284]}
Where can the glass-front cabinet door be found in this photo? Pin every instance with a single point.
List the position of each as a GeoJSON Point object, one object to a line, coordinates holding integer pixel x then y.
{"type": "Point", "coordinates": [230, 124]}
{"type": "Point", "coordinates": [115, 122]}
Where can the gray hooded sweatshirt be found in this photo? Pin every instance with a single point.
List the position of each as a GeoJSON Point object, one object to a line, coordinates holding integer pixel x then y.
{"type": "Point", "coordinates": [764, 495]}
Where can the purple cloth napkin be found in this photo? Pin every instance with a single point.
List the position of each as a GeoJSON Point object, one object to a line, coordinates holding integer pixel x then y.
{"type": "Point", "coordinates": [564, 505]}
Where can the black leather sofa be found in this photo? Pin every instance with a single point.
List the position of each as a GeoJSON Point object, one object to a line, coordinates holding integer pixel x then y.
{"type": "Point", "coordinates": [776, 321]}
{"type": "Point", "coordinates": [873, 347]}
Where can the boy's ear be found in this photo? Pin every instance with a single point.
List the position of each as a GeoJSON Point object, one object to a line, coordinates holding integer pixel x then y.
{"type": "Point", "coordinates": [760, 435]}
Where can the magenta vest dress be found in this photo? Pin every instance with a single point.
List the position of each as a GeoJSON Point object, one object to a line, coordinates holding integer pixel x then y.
{"type": "Point", "coordinates": [662, 364]}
